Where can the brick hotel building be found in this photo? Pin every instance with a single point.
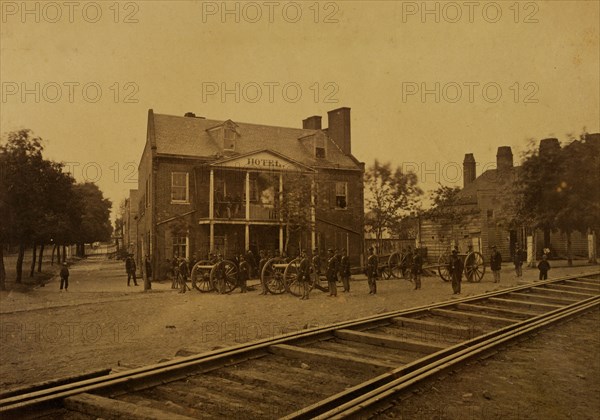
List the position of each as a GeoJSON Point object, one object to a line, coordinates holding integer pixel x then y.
{"type": "Point", "coordinates": [214, 185]}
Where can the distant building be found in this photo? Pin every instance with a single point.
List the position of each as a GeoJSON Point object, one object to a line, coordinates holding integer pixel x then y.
{"type": "Point", "coordinates": [216, 185]}
{"type": "Point", "coordinates": [482, 224]}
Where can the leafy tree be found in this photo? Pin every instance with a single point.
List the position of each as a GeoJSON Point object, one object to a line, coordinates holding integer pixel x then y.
{"type": "Point", "coordinates": [95, 215]}
{"type": "Point", "coordinates": [391, 195]}
{"type": "Point", "coordinates": [558, 189]}
{"type": "Point", "coordinates": [294, 207]}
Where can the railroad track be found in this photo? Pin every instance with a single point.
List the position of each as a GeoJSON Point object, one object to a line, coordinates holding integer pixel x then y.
{"type": "Point", "coordinates": [350, 369]}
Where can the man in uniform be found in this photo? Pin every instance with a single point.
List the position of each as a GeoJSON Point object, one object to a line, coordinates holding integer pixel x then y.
{"type": "Point", "coordinates": [456, 269]}
{"type": "Point", "coordinates": [243, 274]}
{"type": "Point", "coordinates": [372, 271]}
{"type": "Point", "coordinates": [417, 268]}
{"type": "Point", "coordinates": [332, 269]}
{"type": "Point", "coordinates": [263, 260]}
{"type": "Point", "coordinates": [496, 264]}
{"type": "Point", "coordinates": [304, 275]}
{"type": "Point", "coordinates": [518, 261]}
{"type": "Point", "coordinates": [316, 260]}
{"type": "Point", "coordinates": [345, 270]}
{"type": "Point", "coordinates": [130, 268]}
{"type": "Point", "coordinates": [64, 277]}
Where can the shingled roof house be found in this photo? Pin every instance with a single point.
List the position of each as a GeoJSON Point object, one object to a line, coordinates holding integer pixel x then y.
{"type": "Point", "coordinates": [214, 185]}
{"type": "Point", "coordinates": [480, 205]}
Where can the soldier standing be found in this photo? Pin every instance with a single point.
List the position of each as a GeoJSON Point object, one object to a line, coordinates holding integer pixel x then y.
{"type": "Point", "coordinates": [183, 274]}
{"type": "Point", "coordinates": [316, 260]}
{"type": "Point", "coordinates": [261, 264]}
{"type": "Point", "coordinates": [243, 274]}
{"type": "Point", "coordinates": [518, 261]}
{"type": "Point", "coordinates": [372, 267]}
{"type": "Point", "coordinates": [64, 277]}
{"type": "Point", "coordinates": [456, 269]}
{"type": "Point", "coordinates": [332, 269]}
{"type": "Point", "coordinates": [496, 264]}
{"type": "Point", "coordinates": [417, 268]}
{"type": "Point", "coordinates": [304, 275]}
{"type": "Point", "coordinates": [131, 269]}
{"type": "Point", "coordinates": [345, 270]}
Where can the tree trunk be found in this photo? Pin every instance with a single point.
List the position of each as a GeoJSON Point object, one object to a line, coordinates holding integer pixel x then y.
{"type": "Point", "coordinates": [52, 257]}
{"type": "Point", "coordinates": [33, 260]}
{"type": "Point", "coordinates": [82, 252]}
{"type": "Point", "coordinates": [20, 262]}
{"type": "Point", "coordinates": [2, 269]}
{"type": "Point", "coordinates": [546, 237]}
{"type": "Point", "coordinates": [41, 257]}
{"type": "Point", "coordinates": [64, 253]}
{"type": "Point", "coordinates": [569, 250]}
{"type": "Point", "coordinates": [57, 253]}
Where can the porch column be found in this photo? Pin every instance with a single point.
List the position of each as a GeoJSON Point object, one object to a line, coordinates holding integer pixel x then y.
{"type": "Point", "coordinates": [313, 217]}
{"type": "Point", "coordinates": [247, 231]}
{"type": "Point", "coordinates": [211, 210]}
{"type": "Point", "coordinates": [211, 196]}
{"type": "Point", "coordinates": [280, 213]}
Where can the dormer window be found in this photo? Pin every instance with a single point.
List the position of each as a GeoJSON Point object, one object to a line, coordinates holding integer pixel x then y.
{"type": "Point", "coordinates": [229, 136]}
{"type": "Point", "coordinates": [320, 147]}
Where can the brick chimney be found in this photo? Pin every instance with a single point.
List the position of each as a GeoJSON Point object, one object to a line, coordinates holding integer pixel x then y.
{"type": "Point", "coordinates": [504, 158]}
{"type": "Point", "coordinates": [339, 128]}
{"type": "Point", "coordinates": [549, 146]}
{"type": "Point", "coordinates": [469, 172]}
{"type": "Point", "coordinates": [312, 123]}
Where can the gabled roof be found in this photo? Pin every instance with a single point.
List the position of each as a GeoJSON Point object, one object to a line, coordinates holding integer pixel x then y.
{"type": "Point", "coordinates": [188, 136]}
{"type": "Point", "coordinates": [491, 181]}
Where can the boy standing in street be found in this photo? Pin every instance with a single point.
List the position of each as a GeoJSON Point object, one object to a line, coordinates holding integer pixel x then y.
{"type": "Point", "coordinates": [544, 267]}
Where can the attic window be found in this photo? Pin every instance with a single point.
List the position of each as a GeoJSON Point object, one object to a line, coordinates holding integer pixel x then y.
{"type": "Point", "coordinates": [229, 138]}
{"type": "Point", "coordinates": [320, 147]}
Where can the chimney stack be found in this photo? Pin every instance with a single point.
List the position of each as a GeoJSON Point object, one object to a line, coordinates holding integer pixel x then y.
{"type": "Point", "coordinates": [469, 173]}
{"type": "Point", "coordinates": [339, 128]}
{"type": "Point", "coordinates": [504, 158]}
{"type": "Point", "coordinates": [312, 123]}
{"type": "Point", "coordinates": [549, 146]}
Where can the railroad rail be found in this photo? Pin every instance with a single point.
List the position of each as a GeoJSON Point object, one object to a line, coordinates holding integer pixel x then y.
{"type": "Point", "coordinates": [348, 369]}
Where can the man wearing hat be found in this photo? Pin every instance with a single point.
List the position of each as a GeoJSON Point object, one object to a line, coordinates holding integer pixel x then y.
{"type": "Point", "coordinates": [332, 270]}
{"type": "Point", "coordinates": [130, 268]}
{"type": "Point", "coordinates": [417, 267]}
{"type": "Point", "coordinates": [456, 269]}
{"type": "Point", "coordinates": [496, 264]}
{"type": "Point", "coordinates": [304, 274]}
{"type": "Point", "coordinates": [64, 277]}
{"type": "Point", "coordinates": [372, 267]}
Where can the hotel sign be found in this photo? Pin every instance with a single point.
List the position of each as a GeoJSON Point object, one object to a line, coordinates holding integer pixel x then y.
{"type": "Point", "coordinates": [263, 160]}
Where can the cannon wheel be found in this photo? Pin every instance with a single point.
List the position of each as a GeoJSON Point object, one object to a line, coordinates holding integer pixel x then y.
{"type": "Point", "coordinates": [201, 276]}
{"type": "Point", "coordinates": [474, 267]}
{"type": "Point", "coordinates": [290, 277]}
{"type": "Point", "coordinates": [272, 277]}
{"type": "Point", "coordinates": [405, 268]}
{"type": "Point", "coordinates": [223, 276]}
{"type": "Point", "coordinates": [443, 271]}
{"type": "Point", "coordinates": [395, 265]}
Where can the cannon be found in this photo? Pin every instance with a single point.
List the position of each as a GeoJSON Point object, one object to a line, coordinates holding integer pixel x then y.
{"type": "Point", "coordinates": [396, 265]}
{"type": "Point", "coordinates": [220, 276]}
{"type": "Point", "coordinates": [280, 276]}
{"type": "Point", "coordinates": [473, 262]}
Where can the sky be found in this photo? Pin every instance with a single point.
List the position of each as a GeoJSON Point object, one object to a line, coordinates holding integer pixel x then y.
{"type": "Point", "coordinates": [427, 82]}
